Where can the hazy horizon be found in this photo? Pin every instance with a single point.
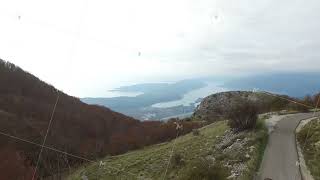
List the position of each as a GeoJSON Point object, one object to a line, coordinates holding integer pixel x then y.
{"type": "Point", "coordinates": [88, 47]}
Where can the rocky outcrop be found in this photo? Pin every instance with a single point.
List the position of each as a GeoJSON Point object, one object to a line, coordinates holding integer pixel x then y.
{"type": "Point", "coordinates": [216, 106]}
{"type": "Point", "coordinates": [236, 147]}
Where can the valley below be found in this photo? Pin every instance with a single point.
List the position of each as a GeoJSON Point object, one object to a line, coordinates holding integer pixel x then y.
{"type": "Point", "coordinates": [159, 101]}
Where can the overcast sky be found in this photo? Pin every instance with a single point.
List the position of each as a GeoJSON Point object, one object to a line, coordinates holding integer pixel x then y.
{"type": "Point", "coordinates": [85, 47]}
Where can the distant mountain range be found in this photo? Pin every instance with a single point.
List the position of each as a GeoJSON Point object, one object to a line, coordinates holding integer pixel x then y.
{"type": "Point", "coordinates": [292, 84]}
{"type": "Point", "coordinates": [152, 93]}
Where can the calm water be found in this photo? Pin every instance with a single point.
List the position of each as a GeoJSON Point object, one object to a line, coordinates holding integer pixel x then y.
{"type": "Point", "coordinates": [111, 94]}
{"type": "Point", "coordinates": [192, 96]}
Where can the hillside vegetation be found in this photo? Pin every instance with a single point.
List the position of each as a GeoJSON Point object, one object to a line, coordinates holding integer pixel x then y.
{"type": "Point", "coordinates": [215, 152]}
{"type": "Point", "coordinates": [95, 132]}
{"type": "Point", "coordinates": [89, 131]}
{"type": "Point", "coordinates": [309, 139]}
{"type": "Point", "coordinates": [216, 107]}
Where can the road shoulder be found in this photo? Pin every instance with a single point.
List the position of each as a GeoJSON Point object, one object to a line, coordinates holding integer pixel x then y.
{"type": "Point", "coordinates": [305, 172]}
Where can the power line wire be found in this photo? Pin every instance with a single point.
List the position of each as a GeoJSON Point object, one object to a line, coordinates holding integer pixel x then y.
{"type": "Point", "coordinates": [172, 150]}
{"type": "Point", "coordinates": [60, 151]}
{"type": "Point", "coordinates": [45, 137]}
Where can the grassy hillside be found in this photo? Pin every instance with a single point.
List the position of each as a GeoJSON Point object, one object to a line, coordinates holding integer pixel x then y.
{"type": "Point", "coordinates": [216, 151]}
{"type": "Point", "coordinates": [311, 148]}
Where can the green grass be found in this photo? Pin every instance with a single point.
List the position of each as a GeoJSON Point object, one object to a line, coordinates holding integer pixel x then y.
{"type": "Point", "coordinates": [311, 147]}
{"type": "Point", "coordinates": [260, 141]}
{"type": "Point", "coordinates": [191, 158]}
{"type": "Point", "coordinates": [151, 162]}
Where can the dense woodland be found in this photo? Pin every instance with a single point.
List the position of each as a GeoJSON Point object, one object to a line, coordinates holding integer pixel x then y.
{"type": "Point", "coordinates": [89, 131]}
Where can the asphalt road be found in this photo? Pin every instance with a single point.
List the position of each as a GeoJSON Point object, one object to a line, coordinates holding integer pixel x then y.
{"type": "Point", "coordinates": [280, 158]}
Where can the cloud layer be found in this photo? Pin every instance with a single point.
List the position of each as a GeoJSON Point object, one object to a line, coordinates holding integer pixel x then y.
{"type": "Point", "coordinates": [84, 47]}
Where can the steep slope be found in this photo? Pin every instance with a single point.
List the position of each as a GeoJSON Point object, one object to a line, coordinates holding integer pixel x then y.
{"type": "Point", "coordinates": [214, 152]}
{"type": "Point", "coordinates": [151, 162]}
{"type": "Point", "coordinates": [89, 131]}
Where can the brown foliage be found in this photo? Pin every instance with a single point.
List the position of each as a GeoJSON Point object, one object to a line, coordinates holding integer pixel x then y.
{"type": "Point", "coordinates": [14, 164]}
{"type": "Point", "coordinates": [243, 115]}
{"type": "Point", "coordinates": [89, 131]}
